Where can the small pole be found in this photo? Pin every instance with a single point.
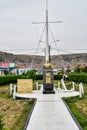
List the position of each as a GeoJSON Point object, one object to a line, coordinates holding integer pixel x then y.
{"type": "Point", "coordinates": [14, 92]}
{"type": "Point", "coordinates": [36, 85]}
{"type": "Point", "coordinates": [83, 89]}
{"type": "Point", "coordinates": [58, 84]}
{"type": "Point", "coordinates": [80, 91]}
{"type": "Point", "coordinates": [73, 85]}
{"type": "Point", "coordinates": [10, 89]}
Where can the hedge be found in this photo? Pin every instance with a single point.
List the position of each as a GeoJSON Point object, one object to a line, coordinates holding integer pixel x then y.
{"type": "Point", "coordinates": [9, 79]}
{"type": "Point", "coordinates": [56, 77]}
{"type": "Point", "coordinates": [71, 77]}
{"type": "Point", "coordinates": [39, 77]}
{"type": "Point", "coordinates": [78, 77]}
{"type": "Point", "coordinates": [13, 79]}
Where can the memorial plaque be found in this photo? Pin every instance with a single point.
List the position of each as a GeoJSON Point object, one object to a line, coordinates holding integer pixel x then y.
{"type": "Point", "coordinates": [24, 86]}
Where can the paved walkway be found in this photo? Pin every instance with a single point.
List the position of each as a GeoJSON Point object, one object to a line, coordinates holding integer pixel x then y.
{"type": "Point", "coordinates": [50, 113]}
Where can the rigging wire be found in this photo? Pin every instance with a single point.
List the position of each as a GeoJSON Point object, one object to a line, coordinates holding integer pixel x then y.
{"type": "Point", "coordinates": [32, 63]}
{"type": "Point", "coordinates": [53, 39]}
{"type": "Point", "coordinates": [40, 40]}
{"type": "Point", "coordinates": [62, 50]}
{"type": "Point", "coordinates": [37, 33]}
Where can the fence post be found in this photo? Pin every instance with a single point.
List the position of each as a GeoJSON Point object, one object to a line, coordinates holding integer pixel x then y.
{"type": "Point", "coordinates": [73, 85]}
{"type": "Point", "coordinates": [36, 85]}
{"type": "Point", "coordinates": [59, 85]}
{"type": "Point", "coordinates": [81, 90]}
{"type": "Point", "coordinates": [14, 92]}
{"type": "Point", "coordinates": [11, 89]}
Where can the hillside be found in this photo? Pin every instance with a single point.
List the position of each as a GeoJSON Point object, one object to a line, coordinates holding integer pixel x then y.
{"type": "Point", "coordinates": [38, 61]}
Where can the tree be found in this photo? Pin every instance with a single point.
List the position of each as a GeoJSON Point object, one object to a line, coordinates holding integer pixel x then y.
{"type": "Point", "coordinates": [68, 68]}
{"type": "Point", "coordinates": [84, 69]}
{"type": "Point", "coordinates": [78, 69]}
{"type": "Point", "coordinates": [30, 74]}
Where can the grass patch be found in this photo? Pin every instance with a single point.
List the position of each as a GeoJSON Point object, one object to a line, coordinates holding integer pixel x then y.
{"type": "Point", "coordinates": [4, 91]}
{"type": "Point", "coordinates": [20, 122]}
{"type": "Point", "coordinates": [79, 108]}
{"type": "Point", "coordinates": [14, 112]}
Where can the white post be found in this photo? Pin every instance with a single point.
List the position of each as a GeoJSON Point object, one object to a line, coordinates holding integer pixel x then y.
{"type": "Point", "coordinates": [36, 85]}
{"type": "Point", "coordinates": [82, 89]}
{"type": "Point", "coordinates": [63, 85]}
{"type": "Point", "coordinates": [59, 85]}
{"type": "Point", "coordinates": [14, 92]}
{"type": "Point", "coordinates": [10, 88]}
{"type": "Point", "coordinates": [73, 85]}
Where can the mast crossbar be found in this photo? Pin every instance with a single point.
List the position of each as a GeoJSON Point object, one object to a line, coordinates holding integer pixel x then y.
{"type": "Point", "coordinates": [48, 22]}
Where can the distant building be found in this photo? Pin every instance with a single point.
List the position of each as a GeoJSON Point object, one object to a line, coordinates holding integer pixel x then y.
{"type": "Point", "coordinates": [23, 70]}
{"type": "Point", "coordinates": [5, 67]}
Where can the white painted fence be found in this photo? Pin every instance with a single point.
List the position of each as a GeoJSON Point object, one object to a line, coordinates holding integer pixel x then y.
{"type": "Point", "coordinates": [64, 87]}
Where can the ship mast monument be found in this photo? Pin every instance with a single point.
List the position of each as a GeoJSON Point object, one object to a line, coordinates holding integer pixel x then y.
{"type": "Point", "coordinates": [48, 74]}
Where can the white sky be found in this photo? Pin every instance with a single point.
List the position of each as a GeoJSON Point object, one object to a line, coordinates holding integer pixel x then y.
{"type": "Point", "coordinates": [17, 32]}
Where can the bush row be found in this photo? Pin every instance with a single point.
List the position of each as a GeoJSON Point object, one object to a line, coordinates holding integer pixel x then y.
{"type": "Point", "coordinates": [56, 77]}
{"type": "Point", "coordinates": [78, 78]}
{"type": "Point", "coordinates": [39, 77]}
{"type": "Point", "coordinates": [71, 77]}
{"type": "Point", "coordinates": [9, 79]}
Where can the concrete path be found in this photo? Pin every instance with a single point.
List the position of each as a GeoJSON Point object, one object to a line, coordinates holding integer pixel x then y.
{"type": "Point", "coordinates": [50, 113]}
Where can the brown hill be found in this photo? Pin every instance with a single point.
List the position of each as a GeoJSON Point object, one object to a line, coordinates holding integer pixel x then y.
{"type": "Point", "coordinates": [38, 61]}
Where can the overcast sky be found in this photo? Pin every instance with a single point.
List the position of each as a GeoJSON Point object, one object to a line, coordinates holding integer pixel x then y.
{"type": "Point", "coordinates": [17, 32]}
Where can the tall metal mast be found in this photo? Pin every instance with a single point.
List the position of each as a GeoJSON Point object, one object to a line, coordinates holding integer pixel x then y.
{"type": "Point", "coordinates": [47, 49]}
{"type": "Point", "coordinates": [48, 74]}
{"type": "Point", "coordinates": [47, 34]}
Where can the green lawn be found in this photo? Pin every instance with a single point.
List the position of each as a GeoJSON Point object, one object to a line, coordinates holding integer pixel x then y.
{"type": "Point", "coordinates": [79, 108]}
